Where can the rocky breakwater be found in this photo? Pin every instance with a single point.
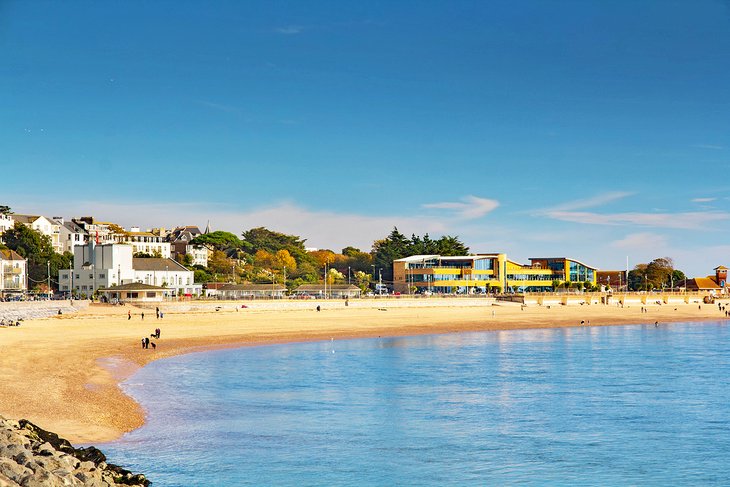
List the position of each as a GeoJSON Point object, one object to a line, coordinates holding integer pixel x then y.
{"type": "Point", "coordinates": [33, 457]}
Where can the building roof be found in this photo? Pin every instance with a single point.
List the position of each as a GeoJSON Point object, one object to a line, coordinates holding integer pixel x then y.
{"type": "Point", "coordinates": [156, 264]}
{"type": "Point", "coordinates": [465, 257]}
{"type": "Point", "coordinates": [252, 287]}
{"type": "Point", "coordinates": [185, 233]}
{"type": "Point", "coordinates": [565, 258]}
{"type": "Point", "coordinates": [331, 287]}
{"type": "Point", "coordinates": [215, 285]}
{"type": "Point", "coordinates": [417, 258]}
{"type": "Point", "coordinates": [8, 254]}
{"type": "Point", "coordinates": [73, 227]}
{"type": "Point", "coordinates": [705, 283]}
{"type": "Point", "coordinates": [27, 219]}
{"type": "Point", "coordinates": [134, 286]}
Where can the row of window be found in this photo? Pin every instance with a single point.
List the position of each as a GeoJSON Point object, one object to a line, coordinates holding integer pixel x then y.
{"type": "Point", "coordinates": [532, 277]}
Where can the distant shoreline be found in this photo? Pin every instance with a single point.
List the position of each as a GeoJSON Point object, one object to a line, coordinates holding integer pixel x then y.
{"type": "Point", "coordinates": [63, 372]}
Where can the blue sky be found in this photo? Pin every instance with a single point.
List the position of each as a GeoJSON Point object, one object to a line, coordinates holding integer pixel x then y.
{"type": "Point", "coordinates": [597, 130]}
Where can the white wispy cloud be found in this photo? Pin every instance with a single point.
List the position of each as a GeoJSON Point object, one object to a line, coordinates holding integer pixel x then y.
{"type": "Point", "coordinates": [685, 220]}
{"type": "Point", "coordinates": [598, 200]}
{"type": "Point", "coordinates": [320, 228]}
{"type": "Point", "coordinates": [644, 240]}
{"type": "Point", "coordinates": [289, 30]}
{"type": "Point", "coordinates": [709, 146]}
{"type": "Point", "coordinates": [703, 200]}
{"type": "Point", "coordinates": [469, 208]}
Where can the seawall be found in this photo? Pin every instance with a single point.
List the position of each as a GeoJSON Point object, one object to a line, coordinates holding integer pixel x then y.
{"type": "Point", "coordinates": [28, 310]}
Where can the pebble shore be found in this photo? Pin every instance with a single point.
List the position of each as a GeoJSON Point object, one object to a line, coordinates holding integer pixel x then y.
{"type": "Point", "coordinates": [33, 457]}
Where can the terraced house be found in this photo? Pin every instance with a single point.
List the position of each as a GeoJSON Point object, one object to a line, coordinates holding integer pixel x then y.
{"type": "Point", "coordinates": [487, 272]}
{"type": "Point", "coordinates": [13, 273]}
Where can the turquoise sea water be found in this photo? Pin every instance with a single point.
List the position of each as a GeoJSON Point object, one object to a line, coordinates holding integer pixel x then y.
{"type": "Point", "coordinates": [624, 405]}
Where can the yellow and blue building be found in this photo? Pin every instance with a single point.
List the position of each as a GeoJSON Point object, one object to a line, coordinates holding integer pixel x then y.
{"type": "Point", "coordinates": [487, 272]}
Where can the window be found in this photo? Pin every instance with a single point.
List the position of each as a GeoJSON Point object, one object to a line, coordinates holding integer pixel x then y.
{"type": "Point", "coordinates": [101, 276]}
{"type": "Point", "coordinates": [151, 294]}
{"type": "Point", "coordinates": [77, 276]}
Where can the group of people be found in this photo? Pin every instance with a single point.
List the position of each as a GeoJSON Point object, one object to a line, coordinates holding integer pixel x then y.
{"type": "Point", "coordinates": [158, 314]}
{"type": "Point", "coordinates": [9, 323]}
{"type": "Point", "coordinates": [146, 342]}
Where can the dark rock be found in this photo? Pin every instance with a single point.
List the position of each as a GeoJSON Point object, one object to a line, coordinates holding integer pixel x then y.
{"type": "Point", "coordinates": [91, 454]}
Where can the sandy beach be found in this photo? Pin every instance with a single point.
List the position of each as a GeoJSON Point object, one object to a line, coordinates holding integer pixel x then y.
{"type": "Point", "coordinates": [63, 372]}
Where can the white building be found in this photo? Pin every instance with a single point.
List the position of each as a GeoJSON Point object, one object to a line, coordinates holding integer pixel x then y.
{"type": "Point", "coordinates": [71, 235]}
{"type": "Point", "coordinates": [45, 226]}
{"type": "Point", "coordinates": [108, 265]}
{"type": "Point", "coordinates": [100, 232]}
{"type": "Point", "coordinates": [166, 273]}
{"type": "Point", "coordinates": [6, 223]}
{"type": "Point", "coordinates": [180, 239]}
{"type": "Point", "coordinates": [13, 273]}
{"type": "Point", "coordinates": [145, 242]}
{"type": "Point", "coordinates": [97, 266]}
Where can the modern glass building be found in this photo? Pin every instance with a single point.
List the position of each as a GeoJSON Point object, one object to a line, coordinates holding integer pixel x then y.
{"type": "Point", "coordinates": [482, 273]}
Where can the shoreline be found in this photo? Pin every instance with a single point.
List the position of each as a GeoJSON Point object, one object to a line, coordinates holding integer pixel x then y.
{"type": "Point", "coordinates": [64, 372]}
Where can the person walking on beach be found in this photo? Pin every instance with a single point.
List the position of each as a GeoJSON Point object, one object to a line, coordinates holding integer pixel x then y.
{"type": "Point", "coordinates": [146, 342]}
{"type": "Point", "coordinates": [157, 333]}
{"type": "Point", "coordinates": [157, 312]}
{"type": "Point", "coordinates": [142, 316]}
{"type": "Point", "coordinates": [129, 314]}
{"type": "Point", "coordinates": [143, 342]}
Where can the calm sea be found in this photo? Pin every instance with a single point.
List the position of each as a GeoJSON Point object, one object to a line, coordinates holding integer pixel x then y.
{"type": "Point", "coordinates": [624, 405]}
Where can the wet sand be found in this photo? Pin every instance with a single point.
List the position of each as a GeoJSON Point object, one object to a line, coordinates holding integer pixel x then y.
{"type": "Point", "coordinates": [63, 372]}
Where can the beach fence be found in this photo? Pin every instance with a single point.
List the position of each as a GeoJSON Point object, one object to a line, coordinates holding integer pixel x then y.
{"type": "Point", "coordinates": [597, 298]}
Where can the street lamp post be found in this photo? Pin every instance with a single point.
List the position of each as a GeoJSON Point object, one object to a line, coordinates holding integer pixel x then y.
{"type": "Point", "coordinates": [348, 275]}
{"type": "Point", "coordinates": [48, 284]}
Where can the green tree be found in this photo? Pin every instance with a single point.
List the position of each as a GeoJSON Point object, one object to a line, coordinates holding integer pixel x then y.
{"type": "Point", "coordinates": [218, 241]}
{"type": "Point", "coordinates": [38, 249]}
{"type": "Point", "coordinates": [350, 251]}
{"type": "Point", "coordinates": [5, 210]}
{"type": "Point", "coordinates": [201, 275]}
{"type": "Point", "coordinates": [396, 246]}
{"type": "Point", "coordinates": [385, 251]}
{"type": "Point", "coordinates": [657, 274]}
{"type": "Point", "coordinates": [448, 245]}
{"type": "Point", "coordinates": [261, 238]}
